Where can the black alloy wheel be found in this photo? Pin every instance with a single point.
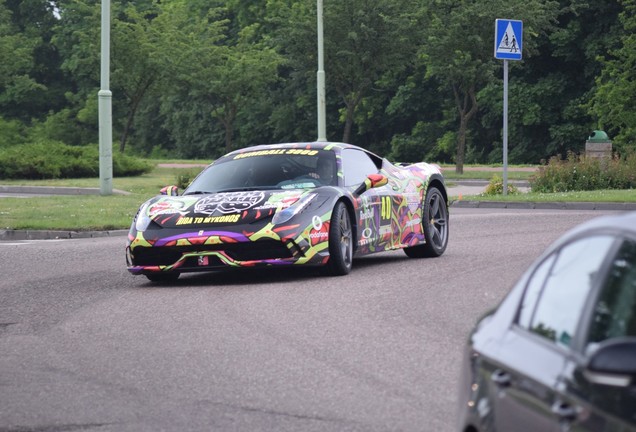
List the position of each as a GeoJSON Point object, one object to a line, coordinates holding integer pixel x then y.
{"type": "Point", "coordinates": [434, 225]}
{"type": "Point", "coordinates": [340, 241]}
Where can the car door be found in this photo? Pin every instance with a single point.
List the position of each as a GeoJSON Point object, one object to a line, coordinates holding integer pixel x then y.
{"type": "Point", "coordinates": [372, 210]}
{"type": "Point", "coordinates": [531, 356]}
{"type": "Point", "coordinates": [605, 403]}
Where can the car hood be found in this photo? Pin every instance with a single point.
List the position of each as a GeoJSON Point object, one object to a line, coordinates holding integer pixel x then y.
{"type": "Point", "coordinates": [224, 208]}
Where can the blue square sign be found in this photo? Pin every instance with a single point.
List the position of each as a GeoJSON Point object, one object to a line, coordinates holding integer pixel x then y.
{"type": "Point", "coordinates": [508, 39]}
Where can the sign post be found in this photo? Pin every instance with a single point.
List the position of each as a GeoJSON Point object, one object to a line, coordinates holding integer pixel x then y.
{"type": "Point", "coordinates": [508, 46]}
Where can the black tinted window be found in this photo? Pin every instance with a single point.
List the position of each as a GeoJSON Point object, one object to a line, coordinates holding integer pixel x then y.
{"type": "Point", "coordinates": [615, 310]}
{"type": "Point", "coordinates": [356, 166]}
{"type": "Point", "coordinates": [533, 291]}
{"type": "Point", "coordinates": [560, 289]}
{"type": "Point", "coordinates": [285, 168]}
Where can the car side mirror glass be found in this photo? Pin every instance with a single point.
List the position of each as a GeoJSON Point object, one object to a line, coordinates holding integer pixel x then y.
{"type": "Point", "coordinates": [170, 191]}
{"type": "Point", "coordinates": [613, 362]}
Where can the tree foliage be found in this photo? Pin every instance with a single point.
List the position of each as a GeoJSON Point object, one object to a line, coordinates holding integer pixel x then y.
{"type": "Point", "coordinates": [415, 80]}
{"type": "Point", "coordinates": [614, 101]}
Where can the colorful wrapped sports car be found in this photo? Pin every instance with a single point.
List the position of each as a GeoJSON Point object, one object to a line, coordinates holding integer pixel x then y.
{"type": "Point", "coordinates": [317, 204]}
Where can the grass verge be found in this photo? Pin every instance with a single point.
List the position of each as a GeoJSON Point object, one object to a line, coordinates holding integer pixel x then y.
{"type": "Point", "coordinates": [84, 212]}
{"type": "Point", "coordinates": [606, 195]}
{"type": "Point", "coordinates": [94, 212]}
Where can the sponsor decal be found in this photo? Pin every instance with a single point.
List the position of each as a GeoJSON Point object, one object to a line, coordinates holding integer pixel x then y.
{"type": "Point", "coordinates": [272, 205]}
{"type": "Point", "coordinates": [412, 197]}
{"type": "Point", "coordinates": [166, 207]}
{"type": "Point", "coordinates": [384, 230]}
{"type": "Point", "coordinates": [320, 231]}
{"type": "Point", "coordinates": [302, 152]}
{"type": "Point", "coordinates": [366, 237]}
{"type": "Point", "coordinates": [385, 213]}
{"type": "Point", "coordinates": [367, 213]}
{"type": "Point", "coordinates": [318, 235]}
{"type": "Point", "coordinates": [279, 201]}
{"type": "Point", "coordinates": [187, 220]}
{"type": "Point", "coordinates": [230, 202]}
{"type": "Point", "coordinates": [413, 222]}
{"type": "Point", "coordinates": [301, 185]}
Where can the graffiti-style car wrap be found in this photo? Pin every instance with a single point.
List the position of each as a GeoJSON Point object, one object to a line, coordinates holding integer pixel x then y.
{"type": "Point", "coordinates": [316, 204]}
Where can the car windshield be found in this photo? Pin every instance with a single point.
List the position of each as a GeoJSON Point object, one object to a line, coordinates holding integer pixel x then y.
{"type": "Point", "coordinates": [284, 168]}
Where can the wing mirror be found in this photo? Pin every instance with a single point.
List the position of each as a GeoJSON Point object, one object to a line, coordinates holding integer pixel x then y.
{"type": "Point", "coordinates": [170, 191]}
{"type": "Point", "coordinates": [613, 362]}
{"type": "Point", "coordinates": [372, 181]}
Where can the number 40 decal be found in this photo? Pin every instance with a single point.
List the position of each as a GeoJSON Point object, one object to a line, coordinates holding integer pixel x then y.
{"type": "Point", "coordinates": [386, 207]}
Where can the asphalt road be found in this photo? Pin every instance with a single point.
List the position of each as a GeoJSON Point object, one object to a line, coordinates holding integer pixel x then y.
{"type": "Point", "coordinates": [84, 346]}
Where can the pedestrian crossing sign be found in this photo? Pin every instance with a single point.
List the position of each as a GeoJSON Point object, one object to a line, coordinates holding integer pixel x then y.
{"type": "Point", "coordinates": [508, 39]}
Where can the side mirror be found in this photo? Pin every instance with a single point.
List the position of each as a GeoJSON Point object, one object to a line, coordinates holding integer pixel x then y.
{"type": "Point", "coordinates": [170, 191]}
{"type": "Point", "coordinates": [372, 181]}
{"type": "Point", "coordinates": [613, 362]}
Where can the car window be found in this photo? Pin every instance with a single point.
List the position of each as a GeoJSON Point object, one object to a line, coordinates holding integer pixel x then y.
{"type": "Point", "coordinates": [356, 166]}
{"type": "Point", "coordinates": [615, 310]}
{"type": "Point", "coordinates": [533, 289]}
{"type": "Point", "coordinates": [270, 168]}
{"type": "Point", "coordinates": [557, 292]}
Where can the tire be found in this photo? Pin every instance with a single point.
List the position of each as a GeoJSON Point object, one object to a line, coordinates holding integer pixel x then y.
{"type": "Point", "coordinates": [434, 225]}
{"type": "Point", "coordinates": [340, 241]}
{"type": "Point", "coordinates": [162, 277]}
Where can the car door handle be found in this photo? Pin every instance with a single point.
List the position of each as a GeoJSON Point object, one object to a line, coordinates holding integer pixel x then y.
{"type": "Point", "coordinates": [501, 378]}
{"type": "Point", "coordinates": [564, 410]}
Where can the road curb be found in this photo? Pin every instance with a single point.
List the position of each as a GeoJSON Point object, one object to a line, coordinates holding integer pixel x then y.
{"type": "Point", "coordinates": [55, 190]}
{"type": "Point", "coordinates": [16, 235]}
{"type": "Point", "coordinates": [545, 205]}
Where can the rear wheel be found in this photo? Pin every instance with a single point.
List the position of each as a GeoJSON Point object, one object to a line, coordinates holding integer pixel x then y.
{"type": "Point", "coordinates": [163, 277]}
{"type": "Point", "coordinates": [434, 225]}
{"type": "Point", "coordinates": [340, 241]}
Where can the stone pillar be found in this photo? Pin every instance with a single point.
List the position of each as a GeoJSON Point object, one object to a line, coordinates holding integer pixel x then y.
{"type": "Point", "coordinates": [598, 145]}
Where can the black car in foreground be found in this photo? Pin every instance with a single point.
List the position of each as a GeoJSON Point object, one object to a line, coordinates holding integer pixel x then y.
{"type": "Point", "coordinates": [559, 352]}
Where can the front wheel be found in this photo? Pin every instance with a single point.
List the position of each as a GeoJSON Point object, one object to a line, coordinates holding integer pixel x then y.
{"type": "Point", "coordinates": [340, 241]}
{"type": "Point", "coordinates": [434, 225]}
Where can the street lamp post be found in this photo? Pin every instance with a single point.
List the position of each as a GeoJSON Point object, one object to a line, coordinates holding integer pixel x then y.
{"type": "Point", "coordinates": [320, 77]}
{"type": "Point", "coordinates": [104, 97]}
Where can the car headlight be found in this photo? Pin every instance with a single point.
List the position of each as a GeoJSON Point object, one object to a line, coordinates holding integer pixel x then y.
{"type": "Point", "coordinates": [142, 221]}
{"type": "Point", "coordinates": [291, 211]}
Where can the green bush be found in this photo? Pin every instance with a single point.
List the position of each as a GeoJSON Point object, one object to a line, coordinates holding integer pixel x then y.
{"type": "Point", "coordinates": [579, 173]}
{"type": "Point", "coordinates": [11, 133]}
{"type": "Point", "coordinates": [52, 159]}
{"type": "Point", "coordinates": [62, 126]}
{"type": "Point", "coordinates": [185, 177]}
{"type": "Point", "coordinates": [495, 187]}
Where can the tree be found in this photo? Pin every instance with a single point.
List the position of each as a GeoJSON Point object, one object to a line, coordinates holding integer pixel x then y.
{"type": "Point", "coordinates": [613, 101]}
{"type": "Point", "coordinates": [550, 90]}
{"type": "Point", "coordinates": [362, 41]}
{"type": "Point", "coordinates": [18, 86]}
{"type": "Point", "coordinates": [246, 70]}
{"type": "Point", "coordinates": [226, 74]}
{"type": "Point", "coordinates": [458, 52]}
{"type": "Point", "coordinates": [137, 64]}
